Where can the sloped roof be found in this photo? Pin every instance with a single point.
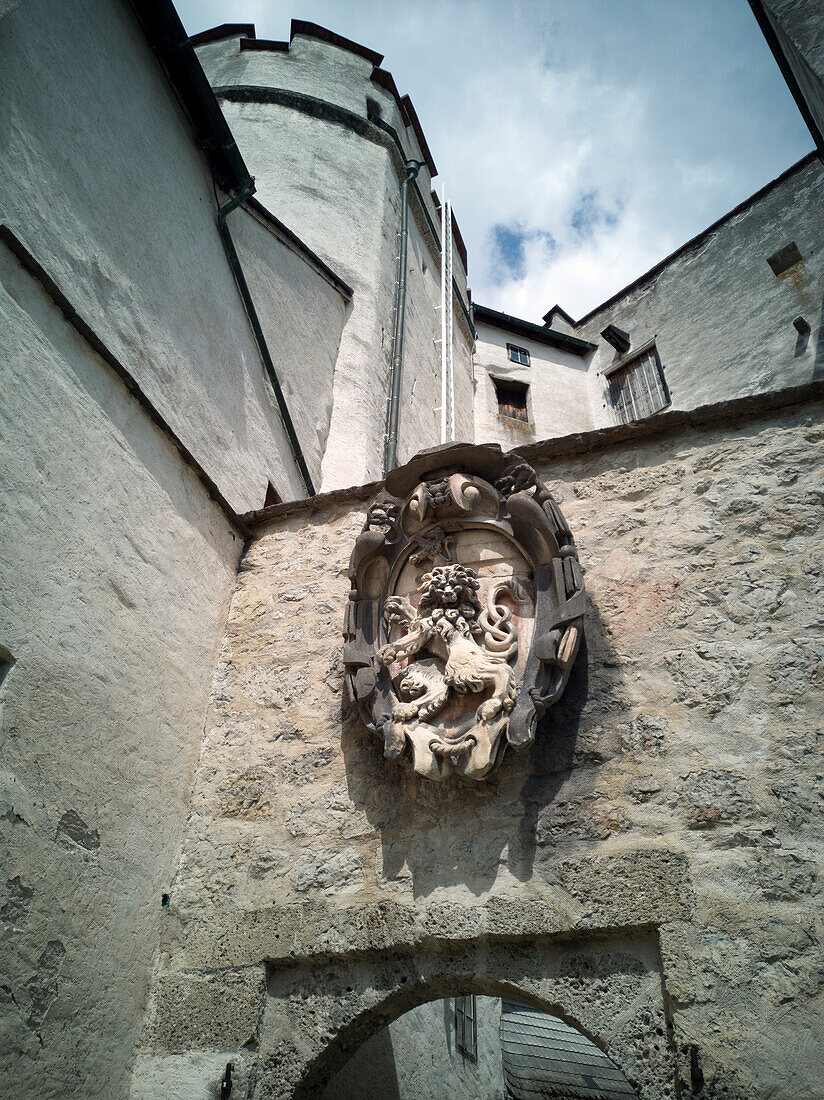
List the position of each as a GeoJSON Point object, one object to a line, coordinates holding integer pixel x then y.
{"type": "Point", "coordinates": [544, 1057]}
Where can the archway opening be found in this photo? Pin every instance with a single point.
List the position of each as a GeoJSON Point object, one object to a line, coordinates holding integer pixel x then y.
{"type": "Point", "coordinates": [475, 1047]}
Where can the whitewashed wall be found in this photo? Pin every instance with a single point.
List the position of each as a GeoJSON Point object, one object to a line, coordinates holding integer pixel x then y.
{"type": "Point", "coordinates": [101, 179]}
{"type": "Point", "coordinates": [116, 569]}
{"type": "Point", "coordinates": [416, 1056]}
{"type": "Point", "coordinates": [116, 565]}
{"type": "Point", "coordinates": [302, 315]}
{"type": "Point", "coordinates": [558, 401]}
{"type": "Point", "coordinates": [721, 319]}
{"type": "Point", "coordinates": [335, 181]}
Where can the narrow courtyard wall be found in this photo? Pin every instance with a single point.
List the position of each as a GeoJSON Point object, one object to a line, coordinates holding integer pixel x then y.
{"type": "Point", "coordinates": [649, 870]}
{"type": "Point", "coordinates": [103, 182]}
{"type": "Point", "coordinates": [115, 577]}
{"type": "Point", "coordinates": [417, 1056]}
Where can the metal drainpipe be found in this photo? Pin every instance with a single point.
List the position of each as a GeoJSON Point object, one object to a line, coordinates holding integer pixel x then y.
{"type": "Point", "coordinates": [393, 133]}
{"type": "Point", "coordinates": [396, 370]}
{"type": "Point", "coordinates": [234, 262]}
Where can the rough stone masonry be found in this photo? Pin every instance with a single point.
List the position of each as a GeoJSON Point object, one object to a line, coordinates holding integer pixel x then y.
{"type": "Point", "coordinates": [649, 868]}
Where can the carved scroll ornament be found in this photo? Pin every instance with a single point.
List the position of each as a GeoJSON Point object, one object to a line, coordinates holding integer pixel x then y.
{"type": "Point", "coordinates": [466, 610]}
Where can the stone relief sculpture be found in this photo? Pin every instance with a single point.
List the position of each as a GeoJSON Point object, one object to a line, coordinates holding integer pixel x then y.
{"type": "Point", "coordinates": [466, 610]}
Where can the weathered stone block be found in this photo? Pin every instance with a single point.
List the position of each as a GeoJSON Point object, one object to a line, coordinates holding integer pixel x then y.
{"type": "Point", "coordinates": [205, 1011]}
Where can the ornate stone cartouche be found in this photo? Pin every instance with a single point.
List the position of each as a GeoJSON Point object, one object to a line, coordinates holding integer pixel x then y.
{"type": "Point", "coordinates": [466, 610]}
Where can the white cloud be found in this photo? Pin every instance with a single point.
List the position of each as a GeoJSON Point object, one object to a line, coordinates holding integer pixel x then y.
{"type": "Point", "coordinates": [667, 115]}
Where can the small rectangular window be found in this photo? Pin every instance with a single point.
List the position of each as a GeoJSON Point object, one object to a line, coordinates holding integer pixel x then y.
{"type": "Point", "coordinates": [638, 388]}
{"type": "Point", "coordinates": [466, 1027]}
{"type": "Point", "coordinates": [512, 399]}
{"type": "Point", "coordinates": [518, 355]}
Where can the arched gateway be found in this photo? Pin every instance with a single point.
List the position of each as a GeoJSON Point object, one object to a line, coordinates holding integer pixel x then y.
{"type": "Point", "coordinates": [609, 988]}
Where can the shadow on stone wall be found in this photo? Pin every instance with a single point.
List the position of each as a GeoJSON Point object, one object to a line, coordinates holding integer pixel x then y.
{"type": "Point", "coordinates": [453, 834]}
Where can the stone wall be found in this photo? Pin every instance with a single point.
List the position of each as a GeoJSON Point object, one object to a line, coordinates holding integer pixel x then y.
{"type": "Point", "coordinates": [649, 870]}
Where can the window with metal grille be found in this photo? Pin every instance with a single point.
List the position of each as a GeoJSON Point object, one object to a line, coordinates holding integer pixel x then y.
{"type": "Point", "coordinates": [466, 1027]}
{"type": "Point", "coordinates": [638, 388]}
{"type": "Point", "coordinates": [518, 355]}
{"type": "Point", "coordinates": [512, 399]}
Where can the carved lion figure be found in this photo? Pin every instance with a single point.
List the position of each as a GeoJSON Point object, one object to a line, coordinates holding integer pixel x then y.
{"type": "Point", "coordinates": [474, 643]}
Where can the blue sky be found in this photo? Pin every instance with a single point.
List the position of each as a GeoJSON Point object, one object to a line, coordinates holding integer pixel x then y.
{"type": "Point", "coordinates": [580, 141]}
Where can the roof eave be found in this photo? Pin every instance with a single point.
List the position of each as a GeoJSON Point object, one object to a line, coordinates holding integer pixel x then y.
{"type": "Point", "coordinates": [539, 333]}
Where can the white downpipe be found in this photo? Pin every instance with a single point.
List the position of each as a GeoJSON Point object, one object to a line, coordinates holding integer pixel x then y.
{"type": "Point", "coordinates": [447, 378]}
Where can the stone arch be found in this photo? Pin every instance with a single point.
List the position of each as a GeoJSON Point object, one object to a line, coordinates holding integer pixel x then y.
{"type": "Point", "coordinates": [609, 988]}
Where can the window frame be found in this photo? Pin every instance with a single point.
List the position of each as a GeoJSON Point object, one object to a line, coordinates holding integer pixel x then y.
{"type": "Point", "coordinates": [510, 348]}
{"type": "Point", "coordinates": [466, 1026]}
{"type": "Point", "coordinates": [637, 401]}
{"type": "Point", "coordinates": [514, 386]}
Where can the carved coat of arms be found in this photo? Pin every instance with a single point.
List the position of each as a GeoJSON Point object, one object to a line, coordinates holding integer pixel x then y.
{"type": "Point", "coordinates": [466, 610]}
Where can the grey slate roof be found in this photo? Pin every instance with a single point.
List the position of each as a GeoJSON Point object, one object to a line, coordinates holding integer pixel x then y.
{"type": "Point", "coordinates": [543, 1057]}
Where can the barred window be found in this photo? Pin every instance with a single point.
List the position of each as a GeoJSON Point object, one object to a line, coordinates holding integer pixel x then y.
{"type": "Point", "coordinates": [512, 399]}
{"type": "Point", "coordinates": [466, 1027]}
{"type": "Point", "coordinates": [638, 388]}
{"type": "Point", "coordinates": [518, 355]}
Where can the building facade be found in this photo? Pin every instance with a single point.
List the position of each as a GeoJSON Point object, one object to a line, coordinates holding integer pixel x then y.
{"type": "Point", "coordinates": [220, 267]}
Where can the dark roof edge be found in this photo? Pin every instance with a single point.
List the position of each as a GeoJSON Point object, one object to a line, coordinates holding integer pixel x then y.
{"type": "Point", "coordinates": [739, 408]}
{"type": "Point", "coordinates": [410, 117]}
{"type": "Point", "coordinates": [459, 241]}
{"type": "Point", "coordinates": [267, 215]}
{"type": "Point", "coordinates": [298, 26]}
{"type": "Point", "coordinates": [313, 30]}
{"type": "Point", "coordinates": [384, 79]}
{"type": "Point", "coordinates": [693, 241]}
{"type": "Point", "coordinates": [225, 30]}
{"type": "Point", "coordinates": [540, 333]}
{"type": "Point", "coordinates": [263, 44]}
{"type": "Point", "coordinates": [170, 43]}
{"type": "Point", "coordinates": [550, 313]}
{"type": "Point", "coordinates": [774, 42]}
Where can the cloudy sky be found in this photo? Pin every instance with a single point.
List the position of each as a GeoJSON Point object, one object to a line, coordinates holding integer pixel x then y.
{"type": "Point", "coordinates": [580, 140]}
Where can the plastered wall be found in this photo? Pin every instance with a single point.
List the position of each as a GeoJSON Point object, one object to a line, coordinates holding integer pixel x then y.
{"type": "Point", "coordinates": [649, 869]}
{"type": "Point", "coordinates": [300, 120]}
{"type": "Point", "coordinates": [721, 320]}
{"type": "Point", "coordinates": [116, 571]}
{"type": "Point", "coordinates": [302, 316]}
{"type": "Point", "coordinates": [117, 564]}
{"type": "Point", "coordinates": [416, 1055]}
{"type": "Point", "coordinates": [102, 181]}
{"type": "Point", "coordinates": [558, 402]}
